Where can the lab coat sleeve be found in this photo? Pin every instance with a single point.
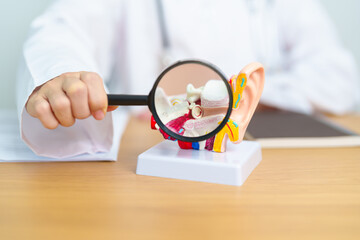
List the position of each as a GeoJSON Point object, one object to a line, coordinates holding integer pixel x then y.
{"type": "Point", "coordinates": [318, 73]}
{"type": "Point", "coordinates": [70, 36]}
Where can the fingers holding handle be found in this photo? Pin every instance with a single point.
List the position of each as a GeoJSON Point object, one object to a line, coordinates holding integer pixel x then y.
{"type": "Point", "coordinates": [68, 97]}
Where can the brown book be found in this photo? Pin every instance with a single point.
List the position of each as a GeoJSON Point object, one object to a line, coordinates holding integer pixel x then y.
{"type": "Point", "coordinates": [284, 129]}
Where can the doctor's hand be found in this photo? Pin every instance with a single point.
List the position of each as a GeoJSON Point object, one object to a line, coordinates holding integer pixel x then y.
{"type": "Point", "coordinates": [70, 96]}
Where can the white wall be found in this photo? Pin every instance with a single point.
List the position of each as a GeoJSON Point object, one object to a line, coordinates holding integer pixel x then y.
{"type": "Point", "coordinates": [346, 17]}
{"type": "Point", "coordinates": [15, 17]}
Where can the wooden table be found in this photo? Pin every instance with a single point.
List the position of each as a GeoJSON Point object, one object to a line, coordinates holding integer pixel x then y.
{"type": "Point", "coordinates": [292, 194]}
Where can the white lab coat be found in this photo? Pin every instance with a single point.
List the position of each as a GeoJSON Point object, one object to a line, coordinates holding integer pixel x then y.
{"type": "Point", "coordinates": [306, 67]}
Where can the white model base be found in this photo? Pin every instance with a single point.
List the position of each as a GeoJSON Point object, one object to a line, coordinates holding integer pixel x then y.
{"type": "Point", "coordinates": [232, 167]}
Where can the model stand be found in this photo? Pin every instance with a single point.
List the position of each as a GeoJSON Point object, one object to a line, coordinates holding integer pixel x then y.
{"type": "Point", "coordinates": [231, 167]}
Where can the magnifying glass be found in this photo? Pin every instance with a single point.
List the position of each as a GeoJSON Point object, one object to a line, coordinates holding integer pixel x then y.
{"type": "Point", "coordinates": [190, 101]}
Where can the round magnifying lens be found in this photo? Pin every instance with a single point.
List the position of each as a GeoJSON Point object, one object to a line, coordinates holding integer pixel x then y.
{"type": "Point", "coordinates": [191, 100]}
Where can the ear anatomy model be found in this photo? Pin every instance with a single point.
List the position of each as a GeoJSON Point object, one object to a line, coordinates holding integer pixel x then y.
{"type": "Point", "coordinates": [186, 116]}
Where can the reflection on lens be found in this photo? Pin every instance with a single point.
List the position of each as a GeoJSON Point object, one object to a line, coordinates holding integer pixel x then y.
{"type": "Point", "coordinates": [192, 111]}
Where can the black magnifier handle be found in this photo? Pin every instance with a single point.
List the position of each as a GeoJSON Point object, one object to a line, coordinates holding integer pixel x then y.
{"type": "Point", "coordinates": [127, 100]}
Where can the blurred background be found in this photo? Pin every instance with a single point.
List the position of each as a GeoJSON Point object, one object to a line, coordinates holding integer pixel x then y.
{"type": "Point", "coordinates": [15, 17]}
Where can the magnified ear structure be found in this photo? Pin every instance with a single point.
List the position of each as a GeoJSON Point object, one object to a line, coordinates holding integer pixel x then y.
{"type": "Point", "coordinates": [246, 88]}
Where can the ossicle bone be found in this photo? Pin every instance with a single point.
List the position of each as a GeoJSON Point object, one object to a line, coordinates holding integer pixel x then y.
{"type": "Point", "coordinates": [192, 93]}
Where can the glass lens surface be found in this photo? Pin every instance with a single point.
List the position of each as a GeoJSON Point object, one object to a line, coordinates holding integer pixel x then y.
{"type": "Point", "coordinates": [191, 100]}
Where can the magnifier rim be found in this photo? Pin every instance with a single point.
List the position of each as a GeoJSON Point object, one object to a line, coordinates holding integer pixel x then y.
{"type": "Point", "coordinates": [167, 130]}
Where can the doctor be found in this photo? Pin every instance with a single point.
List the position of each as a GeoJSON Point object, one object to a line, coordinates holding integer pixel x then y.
{"type": "Point", "coordinates": [78, 49]}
